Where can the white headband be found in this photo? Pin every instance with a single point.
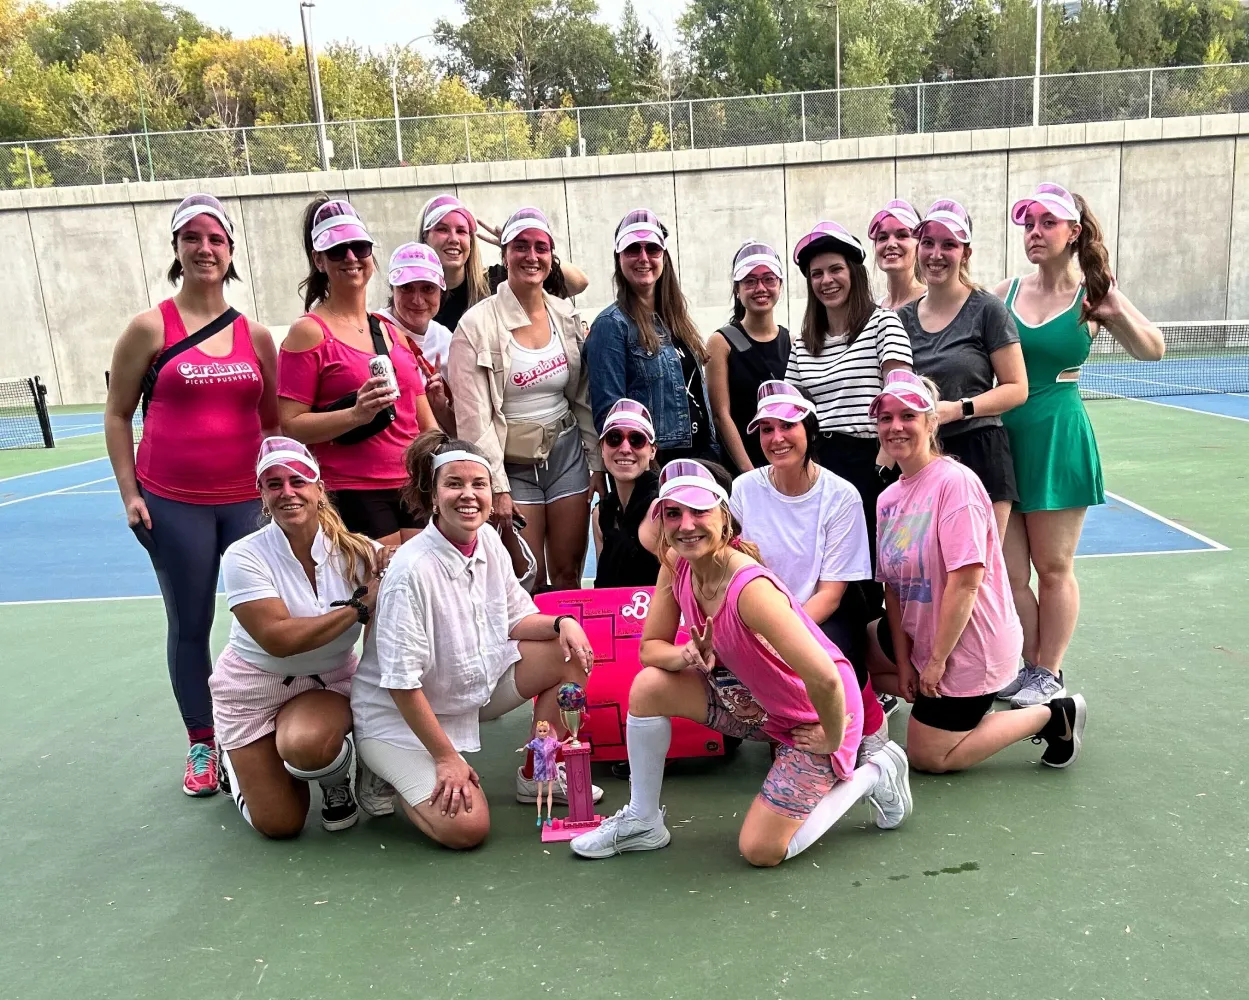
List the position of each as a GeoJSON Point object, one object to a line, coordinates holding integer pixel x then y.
{"type": "Point", "coordinates": [442, 458]}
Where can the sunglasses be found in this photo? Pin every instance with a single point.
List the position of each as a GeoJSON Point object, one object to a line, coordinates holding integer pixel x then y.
{"type": "Point", "coordinates": [638, 249]}
{"type": "Point", "coordinates": [614, 439]}
{"type": "Point", "coordinates": [360, 249]}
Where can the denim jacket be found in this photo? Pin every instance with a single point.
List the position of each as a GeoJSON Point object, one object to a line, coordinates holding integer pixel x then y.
{"type": "Point", "coordinates": [619, 366]}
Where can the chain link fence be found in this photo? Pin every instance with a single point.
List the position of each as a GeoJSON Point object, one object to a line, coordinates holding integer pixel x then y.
{"type": "Point", "coordinates": [629, 128]}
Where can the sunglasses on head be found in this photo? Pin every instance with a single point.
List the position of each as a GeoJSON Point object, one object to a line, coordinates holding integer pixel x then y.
{"type": "Point", "coordinates": [360, 249]}
{"type": "Point", "coordinates": [614, 439]}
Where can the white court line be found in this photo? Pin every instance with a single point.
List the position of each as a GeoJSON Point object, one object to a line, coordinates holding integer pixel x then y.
{"type": "Point", "coordinates": [1217, 546]}
{"type": "Point", "coordinates": [1160, 552]}
{"type": "Point", "coordinates": [52, 493]}
{"type": "Point", "coordinates": [77, 600]}
{"type": "Point", "coordinates": [1179, 387]}
{"type": "Point", "coordinates": [1187, 409]}
{"type": "Point", "coordinates": [87, 493]}
{"type": "Point", "coordinates": [55, 468]}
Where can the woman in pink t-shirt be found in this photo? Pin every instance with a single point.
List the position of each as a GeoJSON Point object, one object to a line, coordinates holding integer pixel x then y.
{"type": "Point", "coordinates": [358, 426]}
{"type": "Point", "coordinates": [787, 683]}
{"type": "Point", "coordinates": [951, 638]}
{"type": "Point", "coordinates": [191, 491]}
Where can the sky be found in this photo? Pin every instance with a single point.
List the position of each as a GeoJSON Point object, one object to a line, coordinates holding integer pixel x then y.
{"type": "Point", "coordinates": [377, 23]}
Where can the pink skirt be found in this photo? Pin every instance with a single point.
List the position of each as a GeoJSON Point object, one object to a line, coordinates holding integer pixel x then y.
{"type": "Point", "coordinates": [246, 699]}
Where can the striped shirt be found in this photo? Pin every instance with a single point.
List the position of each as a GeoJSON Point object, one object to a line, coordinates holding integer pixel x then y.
{"type": "Point", "coordinates": [843, 380]}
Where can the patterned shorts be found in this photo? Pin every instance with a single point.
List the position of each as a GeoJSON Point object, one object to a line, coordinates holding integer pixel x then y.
{"type": "Point", "coordinates": [797, 780]}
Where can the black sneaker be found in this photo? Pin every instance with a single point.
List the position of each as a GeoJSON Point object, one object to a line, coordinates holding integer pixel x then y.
{"type": "Point", "coordinates": [888, 704]}
{"type": "Point", "coordinates": [1064, 732]}
{"type": "Point", "coordinates": [338, 807]}
{"type": "Point", "coordinates": [223, 772]}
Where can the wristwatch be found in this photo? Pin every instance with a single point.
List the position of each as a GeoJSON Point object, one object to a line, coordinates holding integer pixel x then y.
{"type": "Point", "coordinates": [969, 407]}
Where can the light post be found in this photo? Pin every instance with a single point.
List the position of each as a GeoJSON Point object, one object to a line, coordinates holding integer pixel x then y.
{"type": "Point", "coordinates": [1036, 70]}
{"type": "Point", "coordinates": [394, 91]}
{"type": "Point", "coordinates": [314, 82]}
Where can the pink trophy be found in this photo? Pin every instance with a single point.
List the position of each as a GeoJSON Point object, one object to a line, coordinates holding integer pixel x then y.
{"type": "Point", "coordinates": [581, 816]}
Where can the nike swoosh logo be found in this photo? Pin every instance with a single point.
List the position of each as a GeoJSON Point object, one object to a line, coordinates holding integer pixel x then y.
{"type": "Point", "coordinates": [1067, 724]}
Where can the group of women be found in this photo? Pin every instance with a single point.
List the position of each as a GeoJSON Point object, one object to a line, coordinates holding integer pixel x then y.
{"type": "Point", "coordinates": [891, 476]}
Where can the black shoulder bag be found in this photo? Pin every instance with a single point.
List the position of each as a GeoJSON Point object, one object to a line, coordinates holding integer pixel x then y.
{"type": "Point", "coordinates": [382, 419]}
{"type": "Point", "coordinates": [743, 344]}
{"type": "Point", "coordinates": [148, 385]}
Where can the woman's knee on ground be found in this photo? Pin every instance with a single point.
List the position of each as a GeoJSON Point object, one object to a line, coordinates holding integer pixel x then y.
{"type": "Point", "coordinates": [277, 822]}
{"type": "Point", "coordinates": [760, 848]}
{"type": "Point", "coordinates": [462, 832]}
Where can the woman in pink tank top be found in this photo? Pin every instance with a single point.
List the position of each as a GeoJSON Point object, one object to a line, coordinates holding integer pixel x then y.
{"type": "Point", "coordinates": [756, 667]}
{"type": "Point", "coordinates": [192, 492]}
{"type": "Point", "coordinates": [356, 423]}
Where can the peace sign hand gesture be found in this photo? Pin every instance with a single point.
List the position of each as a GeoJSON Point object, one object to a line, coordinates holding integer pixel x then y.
{"type": "Point", "coordinates": [699, 651]}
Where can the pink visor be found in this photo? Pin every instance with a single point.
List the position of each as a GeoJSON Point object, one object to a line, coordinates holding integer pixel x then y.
{"type": "Point", "coordinates": [906, 387]}
{"type": "Point", "coordinates": [779, 400]}
{"type": "Point", "coordinates": [336, 222]}
{"type": "Point", "coordinates": [690, 484]}
{"type": "Point", "coordinates": [200, 204]}
{"type": "Point", "coordinates": [639, 226]}
{"type": "Point", "coordinates": [523, 219]}
{"type": "Point", "coordinates": [900, 209]}
{"type": "Point", "coordinates": [289, 454]}
{"type": "Point", "coordinates": [950, 214]}
{"type": "Point", "coordinates": [830, 237]}
{"type": "Point", "coordinates": [629, 414]}
{"type": "Point", "coordinates": [437, 209]}
{"type": "Point", "coordinates": [1052, 198]}
{"type": "Point", "coordinates": [754, 254]}
{"type": "Point", "coordinates": [414, 262]}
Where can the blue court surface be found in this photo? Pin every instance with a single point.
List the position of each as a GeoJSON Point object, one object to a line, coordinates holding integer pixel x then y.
{"type": "Point", "coordinates": [1205, 384]}
{"type": "Point", "coordinates": [66, 537]}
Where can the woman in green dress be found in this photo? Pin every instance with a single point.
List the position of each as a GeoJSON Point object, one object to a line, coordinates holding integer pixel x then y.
{"type": "Point", "coordinates": [1058, 310]}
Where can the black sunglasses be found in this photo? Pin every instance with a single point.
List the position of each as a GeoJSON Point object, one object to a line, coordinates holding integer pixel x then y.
{"type": "Point", "coordinates": [637, 440]}
{"type": "Point", "coordinates": [361, 250]}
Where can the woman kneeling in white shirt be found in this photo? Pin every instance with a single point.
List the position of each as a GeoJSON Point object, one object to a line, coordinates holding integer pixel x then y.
{"type": "Point", "coordinates": [457, 642]}
{"type": "Point", "coordinates": [300, 589]}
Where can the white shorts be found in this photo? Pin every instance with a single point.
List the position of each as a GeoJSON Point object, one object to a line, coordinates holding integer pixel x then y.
{"type": "Point", "coordinates": [411, 771]}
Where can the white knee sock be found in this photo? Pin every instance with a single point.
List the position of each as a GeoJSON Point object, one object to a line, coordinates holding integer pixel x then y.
{"type": "Point", "coordinates": [648, 739]}
{"type": "Point", "coordinates": [235, 791]}
{"type": "Point", "coordinates": [832, 807]}
{"type": "Point", "coordinates": [337, 772]}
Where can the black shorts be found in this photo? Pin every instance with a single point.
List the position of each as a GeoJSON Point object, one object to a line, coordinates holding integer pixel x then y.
{"type": "Point", "coordinates": [376, 513]}
{"type": "Point", "coordinates": [954, 715]}
{"type": "Point", "coordinates": [986, 451]}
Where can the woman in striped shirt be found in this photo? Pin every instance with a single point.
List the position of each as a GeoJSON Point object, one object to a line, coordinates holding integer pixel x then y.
{"type": "Point", "coordinates": [848, 345]}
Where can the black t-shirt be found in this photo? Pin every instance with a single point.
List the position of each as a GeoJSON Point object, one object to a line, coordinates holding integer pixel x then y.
{"type": "Point", "coordinates": [700, 420]}
{"type": "Point", "coordinates": [746, 371]}
{"type": "Point", "coordinates": [454, 305]}
{"type": "Point", "coordinates": [623, 562]}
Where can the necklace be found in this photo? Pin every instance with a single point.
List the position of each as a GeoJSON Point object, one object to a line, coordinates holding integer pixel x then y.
{"type": "Point", "coordinates": [346, 319]}
{"type": "Point", "coordinates": [702, 596]}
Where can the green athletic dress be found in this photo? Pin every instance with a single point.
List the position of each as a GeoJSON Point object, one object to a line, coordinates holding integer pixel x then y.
{"type": "Point", "coordinates": [1056, 461]}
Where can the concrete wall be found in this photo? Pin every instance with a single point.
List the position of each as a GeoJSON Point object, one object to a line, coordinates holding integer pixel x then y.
{"type": "Point", "coordinates": [1172, 196]}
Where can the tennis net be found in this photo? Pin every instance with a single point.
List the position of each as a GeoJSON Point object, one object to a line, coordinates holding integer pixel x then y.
{"type": "Point", "coordinates": [1201, 358]}
{"type": "Point", "coordinates": [24, 420]}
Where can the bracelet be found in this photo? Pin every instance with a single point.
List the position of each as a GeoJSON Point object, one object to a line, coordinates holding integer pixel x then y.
{"type": "Point", "coordinates": [560, 618]}
{"type": "Point", "coordinates": [362, 612]}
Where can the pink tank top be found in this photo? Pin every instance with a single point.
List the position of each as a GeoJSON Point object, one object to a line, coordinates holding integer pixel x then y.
{"type": "Point", "coordinates": [330, 371]}
{"type": "Point", "coordinates": [202, 430]}
{"type": "Point", "coordinates": [779, 691]}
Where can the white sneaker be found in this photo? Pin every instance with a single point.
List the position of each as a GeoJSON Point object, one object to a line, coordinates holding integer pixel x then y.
{"type": "Point", "coordinates": [622, 832]}
{"type": "Point", "coordinates": [1040, 689]}
{"type": "Point", "coordinates": [890, 798]}
{"type": "Point", "coordinates": [527, 788]}
{"type": "Point", "coordinates": [375, 795]}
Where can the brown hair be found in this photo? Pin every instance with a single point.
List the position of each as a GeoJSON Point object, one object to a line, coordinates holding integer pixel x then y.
{"type": "Point", "coordinates": [315, 287]}
{"type": "Point", "coordinates": [1093, 258]}
{"type": "Point", "coordinates": [670, 307]}
{"type": "Point", "coordinates": [862, 306]}
{"type": "Point", "coordinates": [358, 553]}
{"type": "Point", "coordinates": [174, 274]}
{"type": "Point", "coordinates": [418, 493]}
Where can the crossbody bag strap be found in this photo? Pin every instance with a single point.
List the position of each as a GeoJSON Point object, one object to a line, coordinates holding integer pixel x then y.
{"type": "Point", "coordinates": [148, 385]}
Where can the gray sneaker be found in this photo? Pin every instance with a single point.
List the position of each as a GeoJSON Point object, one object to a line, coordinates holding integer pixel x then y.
{"type": "Point", "coordinates": [890, 799]}
{"type": "Point", "coordinates": [375, 795]}
{"type": "Point", "coordinates": [1013, 688]}
{"type": "Point", "coordinates": [622, 832]}
{"type": "Point", "coordinates": [527, 788]}
{"type": "Point", "coordinates": [1040, 689]}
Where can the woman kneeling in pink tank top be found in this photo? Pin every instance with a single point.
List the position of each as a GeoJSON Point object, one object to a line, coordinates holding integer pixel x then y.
{"type": "Point", "coordinates": [192, 490]}
{"type": "Point", "coordinates": [755, 667]}
{"type": "Point", "coordinates": [332, 397]}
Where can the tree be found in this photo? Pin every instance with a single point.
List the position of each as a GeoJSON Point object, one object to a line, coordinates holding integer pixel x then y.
{"type": "Point", "coordinates": [1014, 38]}
{"type": "Point", "coordinates": [1137, 26]}
{"type": "Point", "coordinates": [962, 45]}
{"type": "Point", "coordinates": [1088, 41]}
{"type": "Point", "coordinates": [530, 51]}
{"type": "Point", "coordinates": [637, 72]}
{"type": "Point", "coordinates": [151, 29]}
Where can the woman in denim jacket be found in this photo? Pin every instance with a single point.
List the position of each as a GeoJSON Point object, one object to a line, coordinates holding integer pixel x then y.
{"type": "Point", "coordinates": [646, 347]}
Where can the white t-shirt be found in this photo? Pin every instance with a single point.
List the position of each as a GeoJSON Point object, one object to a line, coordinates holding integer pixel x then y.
{"type": "Point", "coordinates": [821, 535]}
{"type": "Point", "coordinates": [261, 565]}
{"type": "Point", "coordinates": [843, 380]}
{"type": "Point", "coordinates": [535, 386]}
{"type": "Point", "coordinates": [443, 625]}
{"type": "Point", "coordinates": [435, 342]}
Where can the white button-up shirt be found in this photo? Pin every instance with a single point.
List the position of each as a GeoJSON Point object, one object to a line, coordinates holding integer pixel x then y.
{"type": "Point", "coordinates": [443, 625]}
{"type": "Point", "coordinates": [261, 565]}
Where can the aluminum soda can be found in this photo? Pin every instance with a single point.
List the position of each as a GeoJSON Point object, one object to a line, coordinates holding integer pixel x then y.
{"type": "Point", "coordinates": [380, 366]}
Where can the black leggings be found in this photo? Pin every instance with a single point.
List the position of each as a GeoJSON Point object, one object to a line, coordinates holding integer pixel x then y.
{"type": "Point", "coordinates": [854, 459]}
{"type": "Point", "coordinates": [187, 541]}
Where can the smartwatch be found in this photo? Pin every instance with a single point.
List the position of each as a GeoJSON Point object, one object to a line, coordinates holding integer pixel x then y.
{"type": "Point", "coordinates": [969, 407]}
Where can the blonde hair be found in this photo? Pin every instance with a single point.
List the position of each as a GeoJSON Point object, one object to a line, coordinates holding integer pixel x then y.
{"type": "Point", "coordinates": [356, 551]}
{"type": "Point", "coordinates": [474, 271]}
{"type": "Point", "coordinates": [934, 432]}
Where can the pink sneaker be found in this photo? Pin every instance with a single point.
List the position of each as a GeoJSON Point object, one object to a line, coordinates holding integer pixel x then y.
{"type": "Point", "coordinates": [201, 770]}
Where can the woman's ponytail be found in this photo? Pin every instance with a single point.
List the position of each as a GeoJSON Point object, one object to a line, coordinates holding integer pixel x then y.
{"type": "Point", "coordinates": [315, 287]}
{"type": "Point", "coordinates": [418, 494]}
{"type": "Point", "coordinates": [1093, 258]}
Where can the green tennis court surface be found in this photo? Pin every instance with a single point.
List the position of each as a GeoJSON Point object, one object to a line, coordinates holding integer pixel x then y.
{"type": "Point", "coordinates": [1125, 877]}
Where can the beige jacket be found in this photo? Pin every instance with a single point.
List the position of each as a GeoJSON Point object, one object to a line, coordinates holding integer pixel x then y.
{"type": "Point", "coordinates": [478, 364]}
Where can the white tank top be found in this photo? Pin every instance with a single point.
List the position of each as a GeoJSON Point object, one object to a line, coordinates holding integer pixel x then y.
{"type": "Point", "coordinates": [534, 390]}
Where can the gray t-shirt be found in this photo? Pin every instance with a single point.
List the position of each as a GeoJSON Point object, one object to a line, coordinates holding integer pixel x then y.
{"type": "Point", "coordinates": [957, 358]}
